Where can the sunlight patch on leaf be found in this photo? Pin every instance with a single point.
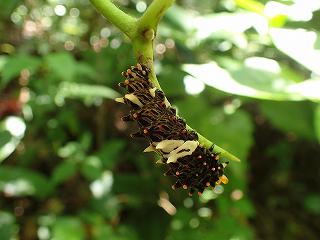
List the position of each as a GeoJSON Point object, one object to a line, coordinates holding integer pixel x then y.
{"type": "Point", "coordinates": [310, 89]}
{"type": "Point", "coordinates": [229, 26]}
{"type": "Point", "coordinates": [103, 185]}
{"type": "Point", "coordinates": [257, 77]}
{"type": "Point", "coordinates": [12, 130]}
{"type": "Point", "coordinates": [303, 49]}
{"type": "Point", "coordinates": [18, 181]}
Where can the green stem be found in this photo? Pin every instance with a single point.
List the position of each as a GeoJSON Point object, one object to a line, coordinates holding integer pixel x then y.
{"type": "Point", "coordinates": [143, 51]}
{"type": "Point", "coordinates": [123, 21]}
{"type": "Point", "coordinates": [224, 153]}
{"type": "Point", "coordinates": [153, 14]}
{"type": "Point", "coordinates": [146, 31]}
{"type": "Point", "coordinates": [142, 33]}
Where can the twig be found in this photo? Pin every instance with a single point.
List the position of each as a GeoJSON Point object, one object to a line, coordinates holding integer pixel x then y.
{"type": "Point", "coordinates": [142, 33]}
{"type": "Point", "coordinates": [120, 19]}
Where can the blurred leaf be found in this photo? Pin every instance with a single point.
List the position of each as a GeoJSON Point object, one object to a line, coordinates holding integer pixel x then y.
{"type": "Point", "coordinates": [68, 150]}
{"type": "Point", "coordinates": [63, 65]}
{"type": "Point", "coordinates": [239, 231]}
{"type": "Point", "coordinates": [3, 60]}
{"type": "Point", "coordinates": [303, 49]}
{"type": "Point", "coordinates": [157, 223]}
{"type": "Point", "coordinates": [102, 186]}
{"type": "Point", "coordinates": [179, 18]}
{"type": "Point", "coordinates": [317, 121]}
{"type": "Point", "coordinates": [226, 24]}
{"type": "Point", "coordinates": [17, 181]}
{"type": "Point", "coordinates": [311, 203]}
{"type": "Point", "coordinates": [12, 130]}
{"type": "Point", "coordinates": [68, 228]}
{"type": "Point", "coordinates": [308, 89]}
{"type": "Point", "coordinates": [223, 134]}
{"type": "Point", "coordinates": [15, 64]}
{"type": "Point", "coordinates": [259, 78]}
{"type": "Point", "coordinates": [63, 172]}
{"type": "Point", "coordinates": [107, 206]}
{"type": "Point", "coordinates": [8, 227]}
{"type": "Point", "coordinates": [102, 230]}
{"type": "Point", "coordinates": [91, 168]}
{"type": "Point", "coordinates": [110, 152]}
{"type": "Point", "coordinates": [251, 5]}
{"type": "Point", "coordinates": [5, 137]}
{"type": "Point", "coordinates": [291, 117]}
{"type": "Point", "coordinates": [172, 81]}
{"type": "Point", "coordinates": [6, 7]}
{"type": "Point", "coordinates": [7, 144]}
{"type": "Point", "coordinates": [85, 70]}
{"type": "Point", "coordinates": [83, 91]}
{"type": "Point", "coordinates": [134, 184]}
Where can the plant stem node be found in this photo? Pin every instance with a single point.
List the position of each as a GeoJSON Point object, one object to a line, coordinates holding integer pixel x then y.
{"type": "Point", "coordinates": [149, 34]}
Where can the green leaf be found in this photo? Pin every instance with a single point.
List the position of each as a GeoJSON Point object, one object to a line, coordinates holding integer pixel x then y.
{"type": "Point", "coordinates": [86, 71]}
{"type": "Point", "coordinates": [150, 222]}
{"type": "Point", "coordinates": [68, 228]}
{"type": "Point", "coordinates": [317, 121]}
{"type": "Point", "coordinates": [6, 8]}
{"type": "Point", "coordinates": [69, 149]}
{"type": "Point", "coordinates": [5, 137]}
{"type": "Point", "coordinates": [17, 181]}
{"type": "Point", "coordinates": [7, 144]}
{"type": "Point", "coordinates": [8, 227]}
{"type": "Point", "coordinates": [171, 81]}
{"type": "Point", "coordinates": [230, 26]}
{"type": "Point", "coordinates": [15, 64]}
{"type": "Point", "coordinates": [258, 77]}
{"type": "Point", "coordinates": [63, 171]}
{"type": "Point", "coordinates": [296, 118]}
{"type": "Point", "coordinates": [311, 203]}
{"type": "Point", "coordinates": [3, 60]}
{"type": "Point", "coordinates": [251, 5]}
{"type": "Point", "coordinates": [83, 91]}
{"type": "Point", "coordinates": [63, 65]}
{"type": "Point", "coordinates": [309, 89]}
{"type": "Point", "coordinates": [304, 49]}
{"type": "Point", "coordinates": [91, 168]}
{"type": "Point", "coordinates": [11, 132]}
{"type": "Point", "coordinates": [110, 152]}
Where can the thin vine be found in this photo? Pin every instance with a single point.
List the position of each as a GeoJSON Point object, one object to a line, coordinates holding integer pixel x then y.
{"type": "Point", "coordinates": [142, 32]}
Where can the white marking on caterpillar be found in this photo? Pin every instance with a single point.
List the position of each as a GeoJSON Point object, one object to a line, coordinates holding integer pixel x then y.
{"type": "Point", "coordinates": [119, 99]}
{"type": "Point", "coordinates": [150, 148]}
{"type": "Point", "coordinates": [153, 91]}
{"type": "Point", "coordinates": [167, 146]}
{"type": "Point", "coordinates": [184, 150]}
{"type": "Point", "coordinates": [134, 99]}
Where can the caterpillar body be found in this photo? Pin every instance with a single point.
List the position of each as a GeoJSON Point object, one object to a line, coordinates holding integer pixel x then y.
{"type": "Point", "coordinates": [194, 166]}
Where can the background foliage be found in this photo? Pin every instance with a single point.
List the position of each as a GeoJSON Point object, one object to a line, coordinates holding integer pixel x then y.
{"type": "Point", "coordinates": [244, 73]}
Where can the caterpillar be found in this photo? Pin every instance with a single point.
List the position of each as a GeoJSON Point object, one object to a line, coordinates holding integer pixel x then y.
{"type": "Point", "coordinates": [194, 166]}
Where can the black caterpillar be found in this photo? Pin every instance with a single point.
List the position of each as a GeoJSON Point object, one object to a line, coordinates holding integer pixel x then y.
{"type": "Point", "coordinates": [194, 166]}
